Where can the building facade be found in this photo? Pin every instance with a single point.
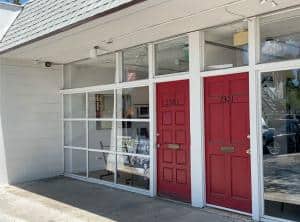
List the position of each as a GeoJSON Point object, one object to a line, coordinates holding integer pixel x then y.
{"type": "Point", "coordinates": [200, 104]}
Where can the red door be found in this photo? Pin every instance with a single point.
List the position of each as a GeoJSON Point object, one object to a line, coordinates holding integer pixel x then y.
{"type": "Point", "coordinates": [173, 139]}
{"type": "Point", "coordinates": [228, 179]}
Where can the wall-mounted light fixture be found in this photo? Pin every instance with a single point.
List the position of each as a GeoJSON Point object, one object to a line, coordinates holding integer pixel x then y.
{"type": "Point", "coordinates": [95, 51]}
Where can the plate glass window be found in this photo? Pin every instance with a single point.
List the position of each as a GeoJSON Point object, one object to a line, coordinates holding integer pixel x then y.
{"type": "Point", "coordinates": [172, 56]}
{"type": "Point", "coordinates": [90, 72]}
{"type": "Point", "coordinates": [135, 63]}
{"type": "Point", "coordinates": [133, 103]}
{"type": "Point", "coordinates": [226, 46]}
{"type": "Point", "coordinates": [280, 92]}
{"type": "Point", "coordinates": [280, 36]}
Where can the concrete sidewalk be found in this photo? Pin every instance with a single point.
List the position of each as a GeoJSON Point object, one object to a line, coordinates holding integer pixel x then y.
{"type": "Point", "coordinates": [64, 199]}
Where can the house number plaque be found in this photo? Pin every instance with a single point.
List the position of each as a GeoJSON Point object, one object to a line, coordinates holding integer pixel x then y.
{"type": "Point", "coordinates": [226, 99]}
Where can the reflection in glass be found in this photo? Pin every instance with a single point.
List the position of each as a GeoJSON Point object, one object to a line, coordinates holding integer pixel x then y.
{"type": "Point", "coordinates": [133, 137]}
{"type": "Point", "coordinates": [100, 135]}
{"type": "Point", "coordinates": [133, 171]}
{"type": "Point", "coordinates": [90, 72]}
{"type": "Point", "coordinates": [281, 143]}
{"type": "Point", "coordinates": [74, 105]}
{"type": "Point", "coordinates": [133, 103]}
{"type": "Point", "coordinates": [135, 63]}
{"type": "Point", "coordinates": [278, 43]}
{"type": "Point", "coordinates": [74, 133]}
{"type": "Point", "coordinates": [75, 162]}
{"type": "Point", "coordinates": [101, 104]}
{"type": "Point", "coordinates": [172, 56]}
{"type": "Point", "coordinates": [226, 46]}
{"type": "Point", "coordinates": [101, 166]}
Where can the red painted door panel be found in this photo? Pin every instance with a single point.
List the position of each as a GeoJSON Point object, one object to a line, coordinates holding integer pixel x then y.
{"type": "Point", "coordinates": [228, 179]}
{"type": "Point", "coordinates": [173, 139]}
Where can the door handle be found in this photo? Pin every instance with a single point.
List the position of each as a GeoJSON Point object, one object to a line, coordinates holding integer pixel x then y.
{"type": "Point", "coordinates": [248, 151]}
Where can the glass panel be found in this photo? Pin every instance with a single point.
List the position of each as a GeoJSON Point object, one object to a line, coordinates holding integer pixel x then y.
{"type": "Point", "coordinates": [281, 143]}
{"type": "Point", "coordinates": [74, 106]}
{"type": "Point", "coordinates": [133, 103]}
{"type": "Point", "coordinates": [280, 36]}
{"type": "Point", "coordinates": [133, 137]}
{"type": "Point", "coordinates": [135, 61]}
{"type": "Point", "coordinates": [102, 166]}
{"type": "Point", "coordinates": [90, 72]}
{"type": "Point", "coordinates": [133, 171]}
{"type": "Point", "coordinates": [75, 162]}
{"type": "Point", "coordinates": [172, 56]}
{"type": "Point", "coordinates": [100, 135]}
{"type": "Point", "coordinates": [101, 104]}
{"type": "Point", "coordinates": [74, 133]}
{"type": "Point", "coordinates": [226, 46]}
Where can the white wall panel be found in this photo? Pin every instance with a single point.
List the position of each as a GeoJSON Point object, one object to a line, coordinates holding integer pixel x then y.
{"type": "Point", "coordinates": [30, 112]}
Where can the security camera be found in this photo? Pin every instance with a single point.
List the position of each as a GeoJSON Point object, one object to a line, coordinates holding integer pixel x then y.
{"type": "Point", "coordinates": [48, 64]}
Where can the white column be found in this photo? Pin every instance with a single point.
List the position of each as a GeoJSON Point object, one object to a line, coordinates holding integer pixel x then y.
{"type": "Point", "coordinates": [196, 46]}
{"type": "Point", "coordinates": [255, 119]}
{"type": "Point", "coordinates": [152, 111]}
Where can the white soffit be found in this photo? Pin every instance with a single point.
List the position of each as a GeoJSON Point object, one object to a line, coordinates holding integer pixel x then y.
{"type": "Point", "coordinates": [145, 22]}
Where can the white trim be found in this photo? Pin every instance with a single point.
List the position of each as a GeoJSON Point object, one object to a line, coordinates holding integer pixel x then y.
{"type": "Point", "coordinates": [254, 120]}
{"type": "Point", "coordinates": [171, 77]}
{"type": "Point", "coordinates": [153, 131]}
{"type": "Point", "coordinates": [228, 209]}
{"type": "Point", "coordinates": [151, 60]}
{"type": "Point", "coordinates": [74, 119]}
{"type": "Point", "coordinates": [101, 151]}
{"type": "Point", "coordinates": [98, 119]}
{"type": "Point", "coordinates": [75, 148]}
{"type": "Point", "coordinates": [196, 130]}
{"type": "Point", "coordinates": [87, 132]}
{"type": "Point", "coordinates": [133, 120]}
{"type": "Point", "coordinates": [277, 66]}
{"type": "Point", "coordinates": [221, 72]}
{"type": "Point", "coordinates": [133, 154]}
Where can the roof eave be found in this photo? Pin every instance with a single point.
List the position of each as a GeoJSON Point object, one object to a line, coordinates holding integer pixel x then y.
{"type": "Point", "coordinates": [68, 27]}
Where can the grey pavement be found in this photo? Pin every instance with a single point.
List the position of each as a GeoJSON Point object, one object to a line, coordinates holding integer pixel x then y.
{"type": "Point", "coordinates": [65, 199]}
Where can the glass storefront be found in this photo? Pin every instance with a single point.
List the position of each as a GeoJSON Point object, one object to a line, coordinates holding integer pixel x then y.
{"type": "Point", "coordinates": [280, 36]}
{"type": "Point", "coordinates": [280, 91]}
{"type": "Point", "coordinates": [226, 46]}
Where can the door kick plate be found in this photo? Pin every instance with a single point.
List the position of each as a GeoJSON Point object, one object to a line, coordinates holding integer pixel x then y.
{"type": "Point", "coordinates": [173, 146]}
{"type": "Point", "coordinates": [227, 149]}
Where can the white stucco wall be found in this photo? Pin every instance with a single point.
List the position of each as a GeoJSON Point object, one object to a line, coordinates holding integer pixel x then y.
{"type": "Point", "coordinates": [30, 133]}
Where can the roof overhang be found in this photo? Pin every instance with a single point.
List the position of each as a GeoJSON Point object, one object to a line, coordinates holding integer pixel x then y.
{"type": "Point", "coordinates": [147, 21]}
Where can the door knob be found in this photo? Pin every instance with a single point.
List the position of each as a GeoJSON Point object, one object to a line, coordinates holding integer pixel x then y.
{"type": "Point", "coordinates": [248, 151]}
{"type": "Point", "coordinates": [248, 137]}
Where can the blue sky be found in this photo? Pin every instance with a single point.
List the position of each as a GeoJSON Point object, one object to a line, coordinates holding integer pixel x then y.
{"type": "Point", "coordinates": [23, 1]}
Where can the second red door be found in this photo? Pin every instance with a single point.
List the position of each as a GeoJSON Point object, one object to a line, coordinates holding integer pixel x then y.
{"type": "Point", "coordinates": [228, 179]}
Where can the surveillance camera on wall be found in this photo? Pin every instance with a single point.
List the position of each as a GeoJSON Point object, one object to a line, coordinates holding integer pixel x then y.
{"type": "Point", "coordinates": [48, 64]}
